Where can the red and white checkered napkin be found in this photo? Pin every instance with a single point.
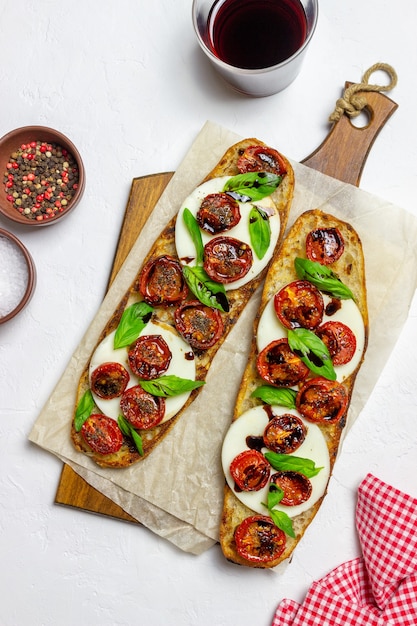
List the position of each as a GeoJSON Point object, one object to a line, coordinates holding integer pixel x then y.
{"type": "Point", "coordinates": [377, 589]}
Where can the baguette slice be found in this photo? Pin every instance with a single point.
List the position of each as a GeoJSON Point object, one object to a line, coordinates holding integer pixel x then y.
{"type": "Point", "coordinates": [238, 298]}
{"type": "Point", "coordinates": [350, 268]}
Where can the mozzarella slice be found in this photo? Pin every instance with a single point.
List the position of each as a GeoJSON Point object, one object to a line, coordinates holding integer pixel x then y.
{"type": "Point", "coordinates": [181, 365]}
{"type": "Point", "coordinates": [184, 244]}
{"type": "Point", "coordinates": [314, 447]}
{"type": "Point", "coordinates": [270, 329]}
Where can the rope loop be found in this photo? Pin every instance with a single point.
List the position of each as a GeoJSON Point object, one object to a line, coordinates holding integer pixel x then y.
{"type": "Point", "coordinates": [352, 103]}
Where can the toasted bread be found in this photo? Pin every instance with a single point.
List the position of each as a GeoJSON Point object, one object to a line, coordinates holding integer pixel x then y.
{"type": "Point", "coordinates": [350, 269]}
{"type": "Point", "coordinates": [165, 245]}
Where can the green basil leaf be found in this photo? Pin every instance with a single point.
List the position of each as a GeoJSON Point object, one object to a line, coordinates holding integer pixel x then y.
{"type": "Point", "coordinates": [128, 430]}
{"type": "Point", "coordinates": [283, 521]}
{"type": "Point", "coordinates": [137, 440]}
{"type": "Point", "coordinates": [252, 186]}
{"type": "Point", "coordinates": [274, 395]}
{"type": "Point", "coordinates": [170, 385]}
{"type": "Point", "coordinates": [280, 518]}
{"type": "Point", "coordinates": [195, 233]}
{"type": "Point", "coordinates": [259, 231]}
{"type": "Point", "coordinates": [289, 462]}
{"type": "Point", "coordinates": [124, 425]}
{"type": "Point", "coordinates": [84, 409]}
{"type": "Point", "coordinates": [275, 495]}
{"type": "Point", "coordinates": [132, 322]}
{"type": "Point", "coordinates": [312, 351]}
{"type": "Point", "coordinates": [206, 290]}
{"type": "Point", "coordinates": [323, 278]}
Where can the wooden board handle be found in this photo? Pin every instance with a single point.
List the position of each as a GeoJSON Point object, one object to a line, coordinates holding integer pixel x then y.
{"type": "Point", "coordinates": [343, 153]}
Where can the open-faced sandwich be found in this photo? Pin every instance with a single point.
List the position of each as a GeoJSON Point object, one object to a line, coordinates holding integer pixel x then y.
{"type": "Point", "coordinates": [309, 342]}
{"type": "Point", "coordinates": [154, 353]}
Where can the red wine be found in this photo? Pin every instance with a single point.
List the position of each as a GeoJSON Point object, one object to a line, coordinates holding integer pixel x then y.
{"type": "Point", "coordinates": [253, 34]}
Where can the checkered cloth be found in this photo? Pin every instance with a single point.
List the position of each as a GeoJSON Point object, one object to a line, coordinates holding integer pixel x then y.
{"type": "Point", "coordinates": [377, 589]}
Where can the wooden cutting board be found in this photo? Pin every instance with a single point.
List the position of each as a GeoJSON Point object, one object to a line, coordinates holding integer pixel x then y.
{"type": "Point", "coordinates": [342, 155]}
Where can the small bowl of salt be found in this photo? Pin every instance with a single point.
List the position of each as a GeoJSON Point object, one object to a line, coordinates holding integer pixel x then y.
{"type": "Point", "coordinates": [17, 276]}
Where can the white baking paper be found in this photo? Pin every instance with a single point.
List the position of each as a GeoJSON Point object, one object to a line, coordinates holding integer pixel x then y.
{"type": "Point", "coordinates": [177, 492]}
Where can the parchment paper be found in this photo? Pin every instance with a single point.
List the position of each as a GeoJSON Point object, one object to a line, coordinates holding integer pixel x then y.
{"type": "Point", "coordinates": [177, 491]}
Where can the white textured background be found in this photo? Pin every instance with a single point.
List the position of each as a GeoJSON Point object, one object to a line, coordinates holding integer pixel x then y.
{"type": "Point", "coordinates": [126, 82]}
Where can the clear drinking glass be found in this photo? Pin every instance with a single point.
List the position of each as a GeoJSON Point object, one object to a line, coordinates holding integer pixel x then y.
{"type": "Point", "coordinates": [260, 81]}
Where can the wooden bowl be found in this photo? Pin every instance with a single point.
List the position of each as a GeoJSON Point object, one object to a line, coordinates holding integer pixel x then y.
{"type": "Point", "coordinates": [16, 289]}
{"type": "Point", "coordinates": [11, 144]}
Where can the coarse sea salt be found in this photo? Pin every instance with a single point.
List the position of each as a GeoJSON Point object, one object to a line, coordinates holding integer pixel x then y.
{"type": "Point", "coordinates": [13, 276]}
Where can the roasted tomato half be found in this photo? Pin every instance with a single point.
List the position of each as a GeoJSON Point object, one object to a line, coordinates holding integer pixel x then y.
{"type": "Point", "coordinates": [162, 282]}
{"type": "Point", "coordinates": [250, 470]}
{"type": "Point", "coordinates": [218, 212]}
{"type": "Point", "coordinates": [200, 325]}
{"type": "Point", "coordinates": [149, 356]}
{"type": "Point", "coordinates": [142, 409]}
{"type": "Point", "coordinates": [284, 433]}
{"type": "Point", "coordinates": [340, 341]}
{"type": "Point", "coordinates": [297, 488]}
{"type": "Point", "coordinates": [102, 434]}
{"type": "Point", "coordinates": [258, 540]}
{"type": "Point", "coordinates": [109, 380]}
{"type": "Point", "coordinates": [261, 159]}
{"type": "Point", "coordinates": [322, 401]}
{"type": "Point", "coordinates": [324, 245]}
{"type": "Point", "coordinates": [299, 305]}
{"type": "Point", "coordinates": [280, 366]}
{"type": "Point", "coordinates": [227, 259]}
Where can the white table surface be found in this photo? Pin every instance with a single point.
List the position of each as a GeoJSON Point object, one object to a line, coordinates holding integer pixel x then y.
{"type": "Point", "coordinates": [127, 83]}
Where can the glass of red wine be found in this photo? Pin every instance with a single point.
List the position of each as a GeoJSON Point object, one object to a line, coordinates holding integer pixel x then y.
{"type": "Point", "coordinates": [257, 46]}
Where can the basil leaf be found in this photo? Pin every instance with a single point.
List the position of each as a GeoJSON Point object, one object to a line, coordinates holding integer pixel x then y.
{"type": "Point", "coordinates": [129, 431]}
{"type": "Point", "coordinates": [137, 440]}
{"type": "Point", "coordinates": [289, 462]}
{"type": "Point", "coordinates": [312, 351]}
{"type": "Point", "coordinates": [322, 277]}
{"type": "Point", "coordinates": [283, 521]}
{"type": "Point", "coordinates": [206, 290]}
{"type": "Point", "coordinates": [169, 385]}
{"type": "Point", "coordinates": [194, 230]}
{"type": "Point", "coordinates": [259, 231]}
{"type": "Point", "coordinates": [124, 425]}
{"type": "Point", "coordinates": [132, 322]}
{"type": "Point", "coordinates": [84, 409]}
{"type": "Point", "coordinates": [275, 495]}
{"type": "Point", "coordinates": [274, 395]}
{"type": "Point", "coordinates": [252, 186]}
{"type": "Point", "coordinates": [280, 518]}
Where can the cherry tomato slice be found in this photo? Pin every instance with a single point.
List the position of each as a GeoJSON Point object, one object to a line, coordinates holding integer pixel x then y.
{"type": "Point", "coordinates": [200, 325]}
{"type": "Point", "coordinates": [109, 380]}
{"type": "Point", "coordinates": [280, 366]}
{"type": "Point", "coordinates": [250, 470]}
{"type": "Point", "coordinates": [149, 356]}
{"type": "Point", "coordinates": [161, 281]}
{"type": "Point", "coordinates": [258, 540]}
{"type": "Point", "coordinates": [261, 159]}
{"type": "Point", "coordinates": [102, 434]}
{"type": "Point", "coordinates": [322, 401]}
{"type": "Point", "coordinates": [340, 341]}
{"type": "Point", "coordinates": [218, 212]}
{"type": "Point", "coordinates": [324, 245]}
{"type": "Point", "coordinates": [284, 433]}
{"type": "Point", "coordinates": [142, 409]}
{"type": "Point", "coordinates": [226, 259]}
{"type": "Point", "coordinates": [297, 488]}
{"type": "Point", "coordinates": [299, 305]}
